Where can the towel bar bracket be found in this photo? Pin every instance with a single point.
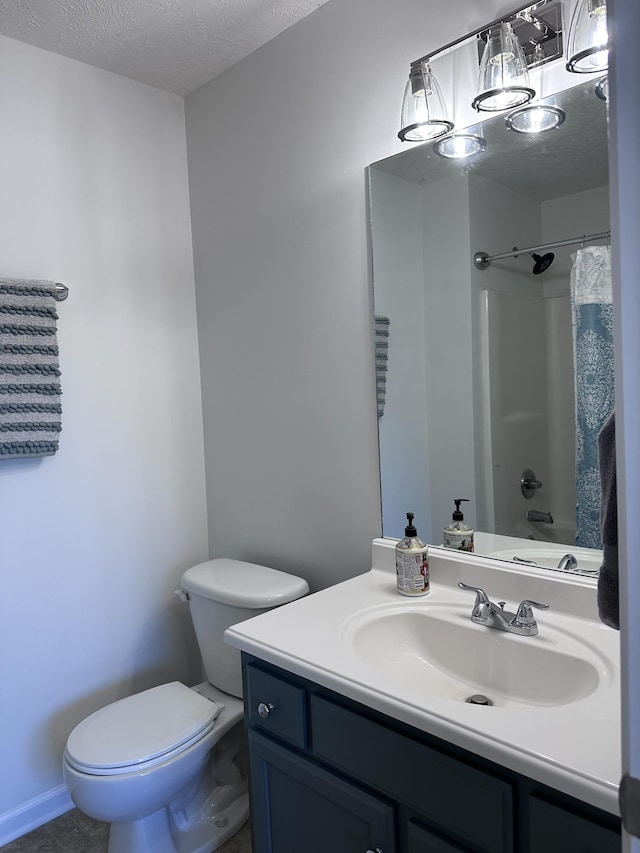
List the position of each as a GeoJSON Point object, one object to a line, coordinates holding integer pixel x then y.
{"type": "Point", "coordinates": [62, 291]}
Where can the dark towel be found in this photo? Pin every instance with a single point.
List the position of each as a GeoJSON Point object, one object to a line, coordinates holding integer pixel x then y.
{"type": "Point", "coordinates": [608, 598]}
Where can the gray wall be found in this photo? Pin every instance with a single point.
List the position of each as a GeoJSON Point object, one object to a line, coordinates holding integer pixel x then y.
{"type": "Point", "coordinates": [277, 153]}
{"type": "Point", "coordinates": [94, 540]}
{"type": "Point", "coordinates": [399, 294]}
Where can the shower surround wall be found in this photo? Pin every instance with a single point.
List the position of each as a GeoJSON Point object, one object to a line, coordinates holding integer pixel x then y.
{"type": "Point", "coordinates": [93, 540]}
{"type": "Point", "coordinates": [509, 365]}
{"type": "Point", "coordinates": [530, 379]}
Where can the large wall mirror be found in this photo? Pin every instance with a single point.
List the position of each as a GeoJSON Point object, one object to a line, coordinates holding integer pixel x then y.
{"type": "Point", "coordinates": [485, 374]}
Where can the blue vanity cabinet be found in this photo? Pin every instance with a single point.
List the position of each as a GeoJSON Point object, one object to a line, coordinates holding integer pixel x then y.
{"type": "Point", "coordinates": [328, 774]}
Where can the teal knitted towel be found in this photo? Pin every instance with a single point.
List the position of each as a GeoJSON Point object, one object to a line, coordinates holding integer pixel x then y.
{"type": "Point", "coordinates": [30, 408]}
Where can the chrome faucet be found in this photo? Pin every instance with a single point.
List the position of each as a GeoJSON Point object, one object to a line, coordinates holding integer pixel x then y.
{"type": "Point", "coordinates": [485, 612]}
{"type": "Point", "coordinates": [536, 515]}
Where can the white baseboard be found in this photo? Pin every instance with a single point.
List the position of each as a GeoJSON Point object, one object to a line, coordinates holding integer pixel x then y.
{"type": "Point", "coordinates": [34, 813]}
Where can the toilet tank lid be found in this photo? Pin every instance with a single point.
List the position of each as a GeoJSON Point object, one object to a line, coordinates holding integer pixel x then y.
{"type": "Point", "coordinates": [243, 584]}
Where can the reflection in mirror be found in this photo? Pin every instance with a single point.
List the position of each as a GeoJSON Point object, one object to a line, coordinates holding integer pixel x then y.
{"type": "Point", "coordinates": [494, 372]}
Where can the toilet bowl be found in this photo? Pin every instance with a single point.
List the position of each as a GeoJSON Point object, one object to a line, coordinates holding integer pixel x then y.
{"type": "Point", "coordinates": [166, 767]}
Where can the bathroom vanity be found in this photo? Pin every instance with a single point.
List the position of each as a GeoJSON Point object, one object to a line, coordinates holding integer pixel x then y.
{"type": "Point", "coordinates": [361, 739]}
{"type": "Point", "coordinates": [331, 775]}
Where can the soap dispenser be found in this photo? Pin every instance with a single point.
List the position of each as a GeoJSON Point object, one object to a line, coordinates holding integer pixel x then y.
{"type": "Point", "coordinates": [458, 535]}
{"type": "Point", "coordinates": [412, 562]}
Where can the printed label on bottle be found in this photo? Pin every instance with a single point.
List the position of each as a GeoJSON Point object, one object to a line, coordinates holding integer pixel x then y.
{"type": "Point", "coordinates": [460, 540]}
{"type": "Point", "coordinates": [412, 571]}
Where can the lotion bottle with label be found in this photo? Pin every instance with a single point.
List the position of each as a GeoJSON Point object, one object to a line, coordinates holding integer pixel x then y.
{"type": "Point", "coordinates": [457, 534]}
{"type": "Point", "coordinates": [412, 562]}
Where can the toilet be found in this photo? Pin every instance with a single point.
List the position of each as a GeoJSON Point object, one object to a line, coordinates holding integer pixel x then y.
{"type": "Point", "coordinates": [167, 767]}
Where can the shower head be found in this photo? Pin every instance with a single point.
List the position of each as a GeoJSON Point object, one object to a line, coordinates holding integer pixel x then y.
{"type": "Point", "coordinates": [542, 263]}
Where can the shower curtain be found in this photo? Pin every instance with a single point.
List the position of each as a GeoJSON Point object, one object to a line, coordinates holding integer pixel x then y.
{"type": "Point", "coordinates": [592, 314]}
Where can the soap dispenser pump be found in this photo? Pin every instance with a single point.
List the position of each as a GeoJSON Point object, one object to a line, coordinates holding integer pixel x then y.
{"type": "Point", "coordinates": [458, 535]}
{"type": "Point", "coordinates": [412, 562]}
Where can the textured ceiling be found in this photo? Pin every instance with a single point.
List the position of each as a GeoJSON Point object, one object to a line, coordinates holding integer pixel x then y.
{"type": "Point", "coordinates": [175, 45]}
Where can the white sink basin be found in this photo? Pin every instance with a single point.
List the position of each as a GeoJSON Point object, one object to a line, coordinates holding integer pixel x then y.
{"type": "Point", "coordinates": [437, 649]}
{"type": "Point", "coordinates": [548, 557]}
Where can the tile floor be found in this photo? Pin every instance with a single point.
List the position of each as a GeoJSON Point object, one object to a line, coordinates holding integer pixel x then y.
{"type": "Point", "coordinates": [74, 832]}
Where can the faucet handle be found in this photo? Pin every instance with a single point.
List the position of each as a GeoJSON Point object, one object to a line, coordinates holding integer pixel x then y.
{"type": "Point", "coordinates": [524, 614]}
{"type": "Point", "coordinates": [481, 596]}
{"type": "Point", "coordinates": [567, 562]}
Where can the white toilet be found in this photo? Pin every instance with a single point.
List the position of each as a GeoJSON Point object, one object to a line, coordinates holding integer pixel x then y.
{"type": "Point", "coordinates": [167, 767]}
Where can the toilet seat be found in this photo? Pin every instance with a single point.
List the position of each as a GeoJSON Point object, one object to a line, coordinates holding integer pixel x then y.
{"type": "Point", "coordinates": [141, 731]}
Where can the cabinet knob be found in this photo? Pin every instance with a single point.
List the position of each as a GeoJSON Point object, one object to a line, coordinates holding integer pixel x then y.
{"type": "Point", "coordinates": [264, 711]}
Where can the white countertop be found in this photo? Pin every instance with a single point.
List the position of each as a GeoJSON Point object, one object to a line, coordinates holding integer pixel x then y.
{"type": "Point", "coordinates": [574, 748]}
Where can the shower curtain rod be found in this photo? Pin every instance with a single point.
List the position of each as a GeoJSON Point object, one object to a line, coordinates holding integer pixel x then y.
{"type": "Point", "coordinates": [482, 259]}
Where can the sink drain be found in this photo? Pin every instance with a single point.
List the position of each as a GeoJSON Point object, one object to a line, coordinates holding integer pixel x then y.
{"type": "Point", "coordinates": [479, 699]}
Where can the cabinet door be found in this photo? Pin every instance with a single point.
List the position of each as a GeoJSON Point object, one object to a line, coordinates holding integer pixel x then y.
{"type": "Point", "coordinates": [420, 840]}
{"type": "Point", "coordinates": [297, 806]}
{"type": "Point", "coordinates": [553, 829]}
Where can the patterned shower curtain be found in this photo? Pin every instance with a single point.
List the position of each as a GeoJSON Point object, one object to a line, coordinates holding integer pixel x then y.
{"type": "Point", "coordinates": [593, 364]}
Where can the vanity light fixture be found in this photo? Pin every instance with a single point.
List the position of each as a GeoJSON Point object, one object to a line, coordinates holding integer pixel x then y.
{"type": "Point", "coordinates": [423, 115]}
{"type": "Point", "coordinates": [457, 146]}
{"type": "Point", "coordinates": [503, 81]}
{"type": "Point", "coordinates": [588, 38]}
{"type": "Point", "coordinates": [527, 38]}
{"type": "Point", "coordinates": [535, 118]}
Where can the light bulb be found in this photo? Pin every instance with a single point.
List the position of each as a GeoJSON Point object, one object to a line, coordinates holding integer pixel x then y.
{"type": "Point", "coordinates": [503, 81]}
{"type": "Point", "coordinates": [588, 38]}
{"type": "Point", "coordinates": [459, 145]}
{"type": "Point", "coordinates": [536, 118]}
{"type": "Point", "coordinates": [423, 113]}
{"type": "Point", "coordinates": [599, 38]}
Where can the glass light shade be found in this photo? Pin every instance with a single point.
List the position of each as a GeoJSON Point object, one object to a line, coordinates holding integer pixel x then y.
{"type": "Point", "coordinates": [602, 88]}
{"type": "Point", "coordinates": [588, 38]}
{"type": "Point", "coordinates": [503, 81]}
{"type": "Point", "coordinates": [459, 145]}
{"type": "Point", "coordinates": [535, 118]}
{"type": "Point", "coordinates": [424, 114]}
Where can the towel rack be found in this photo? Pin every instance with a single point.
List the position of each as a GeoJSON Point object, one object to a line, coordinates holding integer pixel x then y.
{"type": "Point", "coordinates": [62, 291]}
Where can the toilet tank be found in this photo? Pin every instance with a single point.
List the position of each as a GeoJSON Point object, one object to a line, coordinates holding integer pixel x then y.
{"type": "Point", "coordinates": [223, 592]}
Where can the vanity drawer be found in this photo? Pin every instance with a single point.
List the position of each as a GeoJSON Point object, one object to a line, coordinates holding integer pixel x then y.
{"type": "Point", "coordinates": [553, 829]}
{"type": "Point", "coordinates": [276, 706]}
{"type": "Point", "coordinates": [470, 804]}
